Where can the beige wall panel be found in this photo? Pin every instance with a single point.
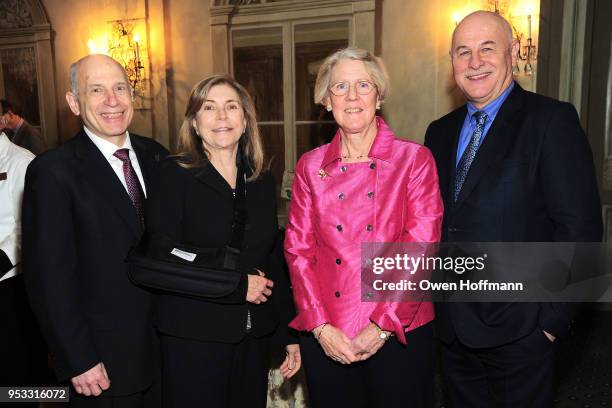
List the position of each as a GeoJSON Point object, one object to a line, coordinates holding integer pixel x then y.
{"type": "Point", "coordinates": [191, 57]}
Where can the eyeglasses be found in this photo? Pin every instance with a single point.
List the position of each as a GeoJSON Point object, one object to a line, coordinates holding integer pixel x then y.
{"type": "Point", "coordinates": [361, 87]}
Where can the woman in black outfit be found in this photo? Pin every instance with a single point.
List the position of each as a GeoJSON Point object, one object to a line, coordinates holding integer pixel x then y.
{"type": "Point", "coordinates": [214, 194]}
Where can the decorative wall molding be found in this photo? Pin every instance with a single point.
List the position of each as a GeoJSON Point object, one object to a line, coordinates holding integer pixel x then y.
{"type": "Point", "coordinates": [29, 27]}
{"type": "Point", "coordinates": [15, 14]}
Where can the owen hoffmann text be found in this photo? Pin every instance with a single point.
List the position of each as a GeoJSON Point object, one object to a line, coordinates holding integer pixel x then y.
{"type": "Point", "coordinates": [462, 285]}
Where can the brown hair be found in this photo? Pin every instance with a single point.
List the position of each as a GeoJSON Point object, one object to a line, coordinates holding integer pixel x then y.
{"type": "Point", "coordinates": [190, 149]}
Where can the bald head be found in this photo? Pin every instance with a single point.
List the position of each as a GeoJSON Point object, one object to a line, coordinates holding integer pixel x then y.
{"type": "Point", "coordinates": [482, 18]}
{"type": "Point", "coordinates": [483, 52]}
{"type": "Point", "coordinates": [88, 61]}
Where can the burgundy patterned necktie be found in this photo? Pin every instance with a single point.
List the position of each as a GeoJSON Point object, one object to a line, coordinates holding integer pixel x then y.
{"type": "Point", "coordinates": [132, 182]}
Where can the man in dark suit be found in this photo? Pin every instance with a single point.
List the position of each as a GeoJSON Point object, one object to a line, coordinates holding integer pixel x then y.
{"type": "Point", "coordinates": [19, 130]}
{"type": "Point", "coordinates": [514, 167]}
{"type": "Point", "coordinates": [82, 211]}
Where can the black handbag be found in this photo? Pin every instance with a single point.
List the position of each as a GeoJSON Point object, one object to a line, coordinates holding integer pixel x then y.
{"type": "Point", "coordinates": [206, 273]}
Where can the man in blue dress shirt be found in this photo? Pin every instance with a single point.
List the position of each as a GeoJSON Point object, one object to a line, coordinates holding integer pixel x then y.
{"type": "Point", "coordinates": [513, 167]}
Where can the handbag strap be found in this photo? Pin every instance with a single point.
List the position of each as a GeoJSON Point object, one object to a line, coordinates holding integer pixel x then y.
{"type": "Point", "coordinates": [232, 249]}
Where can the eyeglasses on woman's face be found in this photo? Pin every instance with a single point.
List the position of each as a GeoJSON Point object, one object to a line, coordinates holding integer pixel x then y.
{"type": "Point", "coordinates": [362, 87]}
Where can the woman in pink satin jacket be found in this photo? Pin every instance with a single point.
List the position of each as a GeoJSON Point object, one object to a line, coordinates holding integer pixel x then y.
{"type": "Point", "coordinates": [367, 185]}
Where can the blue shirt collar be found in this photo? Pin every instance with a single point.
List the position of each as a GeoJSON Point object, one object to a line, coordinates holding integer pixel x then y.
{"type": "Point", "coordinates": [493, 107]}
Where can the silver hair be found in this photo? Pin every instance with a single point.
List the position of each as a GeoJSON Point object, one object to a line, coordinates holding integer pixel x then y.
{"type": "Point", "coordinates": [74, 78]}
{"type": "Point", "coordinates": [374, 66]}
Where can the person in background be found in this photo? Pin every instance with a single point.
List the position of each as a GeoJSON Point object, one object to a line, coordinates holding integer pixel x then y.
{"type": "Point", "coordinates": [514, 166]}
{"type": "Point", "coordinates": [83, 209]}
{"type": "Point", "coordinates": [19, 130]}
{"type": "Point", "coordinates": [22, 350]}
{"type": "Point", "coordinates": [367, 185]}
{"type": "Point", "coordinates": [215, 194]}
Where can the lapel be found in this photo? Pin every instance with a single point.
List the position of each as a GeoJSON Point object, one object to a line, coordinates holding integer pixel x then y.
{"type": "Point", "coordinates": [100, 176]}
{"type": "Point", "coordinates": [208, 175]}
{"type": "Point", "coordinates": [145, 159]}
{"type": "Point", "coordinates": [499, 138]}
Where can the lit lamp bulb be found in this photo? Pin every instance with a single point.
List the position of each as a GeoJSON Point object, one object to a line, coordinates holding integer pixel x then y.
{"type": "Point", "coordinates": [456, 17]}
{"type": "Point", "coordinates": [92, 47]}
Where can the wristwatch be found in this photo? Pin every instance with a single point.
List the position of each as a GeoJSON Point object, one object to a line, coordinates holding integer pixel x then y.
{"type": "Point", "coordinates": [381, 334]}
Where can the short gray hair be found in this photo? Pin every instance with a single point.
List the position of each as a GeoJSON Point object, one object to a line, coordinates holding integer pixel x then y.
{"type": "Point", "coordinates": [74, 78]}
{"type": "Point", "coordinates": [373, 64]}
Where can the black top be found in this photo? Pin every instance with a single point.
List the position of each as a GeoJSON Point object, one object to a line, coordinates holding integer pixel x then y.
{"type": "Point", "coordinates": [194, 207]}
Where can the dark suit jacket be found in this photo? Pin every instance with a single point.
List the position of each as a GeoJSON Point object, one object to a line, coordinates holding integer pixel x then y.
{"type": "Point", "coordinates": [78, 226]}
{"type": "Point", "coordinates": [532, 180]}
{"type": "Point", "coordinates": [194, 207]}
{"type": "Point", "coordinates": [28, 137]}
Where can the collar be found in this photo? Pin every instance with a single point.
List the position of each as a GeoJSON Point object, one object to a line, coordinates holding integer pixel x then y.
{"type": "Point", "coordinates": [381, 148]}
{"type": "Point", "coordinates": [107, 148]}
{"type": "Point", "coordinates": [4, 142]}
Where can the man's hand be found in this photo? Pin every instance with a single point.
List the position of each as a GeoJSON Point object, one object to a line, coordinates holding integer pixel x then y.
{"type": "Point", "coordinates": [335, 343]}
{"type": "Point", "coordinates": [92, 382]}
{"type": "Point", "coordinates": [293, 361]}
{"type": "Point", "coordinates": [549, 336]}
{"type": "Point", "coordinates": [259, 288]}
{"type": "Point", "coordinates": [367, 342]}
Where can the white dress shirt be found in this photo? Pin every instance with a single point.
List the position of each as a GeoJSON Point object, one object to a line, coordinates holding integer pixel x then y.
{"type": "Point", "coordinates": [14, 162]}
{"type": "Point", "coordinates": [108, 150]}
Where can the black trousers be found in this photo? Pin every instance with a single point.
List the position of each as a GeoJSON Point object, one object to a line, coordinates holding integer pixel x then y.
{"type": "Point", "coordinates": [23, 353]}
{"type": "Point", "coordinates": [396, 376]}
{"type": "Point", "coordinates": [215, 375]}
{"type": "Point", "coordinates": [136, 400]}
{"type": "Point", "coordinates": [519, 374]}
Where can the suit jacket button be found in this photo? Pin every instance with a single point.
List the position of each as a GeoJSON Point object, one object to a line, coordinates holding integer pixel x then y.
{"type": "Point", "coordinates": [339, 228]}
{"type": "Point", "coordinates": [343, 169]}
{"type": "Point", "coordinates": [370, 194]}
{"type": "Point", "coordinates": [369, 227]}
{"type": "Point", "coordinates": [341, 196]}
{"type": "Point", "coordinates": [337, 294]}
{"type": "Point", "coordinates": [372, 166]}
{"type": "Point", "coordinates": [338, 261]}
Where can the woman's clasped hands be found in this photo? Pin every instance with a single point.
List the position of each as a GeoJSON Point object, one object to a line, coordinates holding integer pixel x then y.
{"type": "Point", "coordinates": [341, 349]}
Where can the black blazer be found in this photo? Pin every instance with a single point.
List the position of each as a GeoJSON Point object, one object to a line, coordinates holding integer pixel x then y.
{"type": "Point", "coordinates": [532, 180]}
{"type": "Point", "coordinates": [194, 207]}
{"type": "Point", "coordinates": [78, 226]}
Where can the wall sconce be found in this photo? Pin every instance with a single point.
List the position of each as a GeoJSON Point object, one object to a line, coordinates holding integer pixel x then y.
{"type": "Point", "coordinates": [125, 46]}
{"type": "Point", "coordinates": [525, 52]}
{"type": "Point", "coordinates": [527, 48]}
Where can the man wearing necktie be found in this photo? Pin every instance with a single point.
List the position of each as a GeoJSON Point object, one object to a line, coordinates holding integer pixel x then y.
{"type": "Point", "coordinates": [514, 166]}
{"type": "Point", "coordinates": [82, 211]}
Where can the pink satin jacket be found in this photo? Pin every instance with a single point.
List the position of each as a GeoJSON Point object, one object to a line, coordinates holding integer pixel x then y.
{"type": "Point", "coordinates": [335, 207]}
